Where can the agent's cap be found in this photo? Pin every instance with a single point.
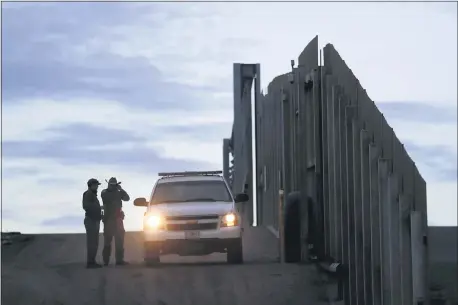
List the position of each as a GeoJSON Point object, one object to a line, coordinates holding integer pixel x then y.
{"type": "Point", "coordinates": [93, 181]}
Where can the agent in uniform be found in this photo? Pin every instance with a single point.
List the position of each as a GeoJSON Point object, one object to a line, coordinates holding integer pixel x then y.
{"type": "Point", "coordinates": [113, 221]}
{"type": "Point", "coordinates": [92, 221]}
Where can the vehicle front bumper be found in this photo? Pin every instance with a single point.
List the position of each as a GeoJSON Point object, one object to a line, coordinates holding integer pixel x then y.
{"type": "Point", "coordinates": [210, 241]}
{"type": "Point", "coordinates": [220, 233]}
{"type": "Point", "coordinates": [189, 247]}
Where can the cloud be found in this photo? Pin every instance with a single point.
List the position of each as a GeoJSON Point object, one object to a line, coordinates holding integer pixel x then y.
{"type": "Point", "coordinates": [37, 119]}
{"type": "Point", "coordinates": [55, 182]}
{"type": "Point", "coordinates": [8, 214]}
{"type": "Point", "coordinates": [277, 32]}
{"type": "Point", "coordinates": [50, 58]}
{"type": "Point", "coordinates": [72, 149]}
{"type": "Point", "coordinates": [442, 207]}
{"type": "Point", "coordinates": [14, 172]}
{"type": "Point", "coordinates": [419, 112]}
{"type": "Point", "coordinates": [140, 158]}
{"type": "Point", "coordinates": [85, 135]}
{"type": "Point", "coordinates": [439, 162]}
{"type": "Point", "coordinates": [200, 132]}
{"type": "Point", "coordinates": [430, 145]}
{"type": "Point", "coordinates": [64, 221]}
{"type": "Point", "coordinates": [425, 134]}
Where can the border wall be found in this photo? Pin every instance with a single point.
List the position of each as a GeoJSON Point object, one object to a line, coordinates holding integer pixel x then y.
{"type": "Point", "coordinates": [318, 133]}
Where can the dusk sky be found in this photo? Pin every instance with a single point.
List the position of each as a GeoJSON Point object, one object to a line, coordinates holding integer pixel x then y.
{"type": "Point", "coordinates": [131, 89]}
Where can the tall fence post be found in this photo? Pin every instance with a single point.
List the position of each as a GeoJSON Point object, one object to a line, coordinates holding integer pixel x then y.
{"type": "Point", "coordinates": [226, 159]}
{"type": "Point", "coordinates": [281, 225]}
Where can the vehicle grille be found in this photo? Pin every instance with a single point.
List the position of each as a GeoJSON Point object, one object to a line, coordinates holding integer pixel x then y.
{"type": "Point", "coordinates": [194, 217]}
{"type": "Point", "coordinates": [192, 226]}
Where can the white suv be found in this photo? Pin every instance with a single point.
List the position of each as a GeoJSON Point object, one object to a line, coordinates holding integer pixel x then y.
{"type": "Point", "coordinates": [192, 213]}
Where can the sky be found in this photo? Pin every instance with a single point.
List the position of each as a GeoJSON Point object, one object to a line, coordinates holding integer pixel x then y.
{"type": "Point", "coordinates": [131, 89]}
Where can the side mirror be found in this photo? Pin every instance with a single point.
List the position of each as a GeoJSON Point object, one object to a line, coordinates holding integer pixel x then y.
{"type": "Point", "coordinates": [242, 197]}
{"type": "Point", "coordinates": [140, 202]}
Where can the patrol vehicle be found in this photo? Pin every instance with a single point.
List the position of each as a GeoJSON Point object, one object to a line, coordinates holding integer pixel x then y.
{"type": "Point", "coordinates": [192, 214]}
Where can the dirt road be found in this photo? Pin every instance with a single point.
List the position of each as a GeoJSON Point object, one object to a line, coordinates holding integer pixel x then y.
{"type": "Point", "coordinates": [50, 270]}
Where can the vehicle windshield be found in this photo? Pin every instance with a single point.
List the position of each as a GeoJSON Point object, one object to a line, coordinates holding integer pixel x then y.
{"type": "Point", "coordinates": [189, 191]}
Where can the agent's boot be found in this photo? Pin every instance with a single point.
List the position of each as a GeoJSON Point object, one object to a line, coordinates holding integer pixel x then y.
{"type": "Point", "coordinates": [106, 258]}
{"type": "Point", "coordinates": [93, 265]}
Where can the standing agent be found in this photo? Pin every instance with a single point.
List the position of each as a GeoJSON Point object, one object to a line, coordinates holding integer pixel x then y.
{"type": "Point", "coordinates": [92, 221]}
{"type": "Point", "coordinates": [112, 198]}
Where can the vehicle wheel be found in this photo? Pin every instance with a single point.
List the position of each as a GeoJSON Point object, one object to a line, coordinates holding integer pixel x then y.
{"type": "Point", "coordinates": [235, 252]}
{"type": "Point", "coordinates": [292, 231]}
{"type": "Point", "coordinates": [152, 261]}
{"type": "Point", "coordinates": [152, 255]}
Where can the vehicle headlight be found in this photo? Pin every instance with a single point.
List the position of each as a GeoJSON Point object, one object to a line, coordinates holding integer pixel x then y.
{"type": "Point", "coordinates": [229, 220]}
{"type": "Point", "coordinates": [154, 222]}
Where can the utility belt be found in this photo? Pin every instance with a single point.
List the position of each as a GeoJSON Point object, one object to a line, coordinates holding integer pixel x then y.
{"type": "Point", "coordinates": [94, 215]}
{"type": "Point", "coordinates": [118, 215]}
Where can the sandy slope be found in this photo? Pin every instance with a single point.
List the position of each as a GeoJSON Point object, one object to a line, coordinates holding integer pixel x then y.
{"type": "Point", "coordinates": [50, 270]}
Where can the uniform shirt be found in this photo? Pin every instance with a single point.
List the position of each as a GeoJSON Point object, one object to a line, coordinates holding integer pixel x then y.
{"type": "Point", "coordinates": [112, 199]}
{"type": "Point", "coordinates": [91, 205]}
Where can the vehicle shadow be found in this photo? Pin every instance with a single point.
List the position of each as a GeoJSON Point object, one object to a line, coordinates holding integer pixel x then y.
{"type": "Point", "coordinates": [142, 265]}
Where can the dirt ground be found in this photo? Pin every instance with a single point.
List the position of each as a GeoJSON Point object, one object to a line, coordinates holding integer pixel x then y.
{"type": "Point", "coordinates": [51, 270]}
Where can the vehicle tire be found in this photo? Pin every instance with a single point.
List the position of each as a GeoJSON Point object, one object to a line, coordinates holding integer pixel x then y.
{"type": "Point", "coordinates": [152, 254]}
{"type": "Point", "coordinates": [150, 262]}
{"type": "Point", "coordinates": [235, 252]}
{"type": "Point", "coordinates": [292, 231]}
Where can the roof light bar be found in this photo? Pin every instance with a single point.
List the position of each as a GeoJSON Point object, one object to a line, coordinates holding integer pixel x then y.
{"type": "Point", "coordinates": [182, 174]}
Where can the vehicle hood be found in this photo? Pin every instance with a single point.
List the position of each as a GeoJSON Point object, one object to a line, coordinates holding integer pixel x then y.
{"type": "Point", "coordinates": [193, 208]}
